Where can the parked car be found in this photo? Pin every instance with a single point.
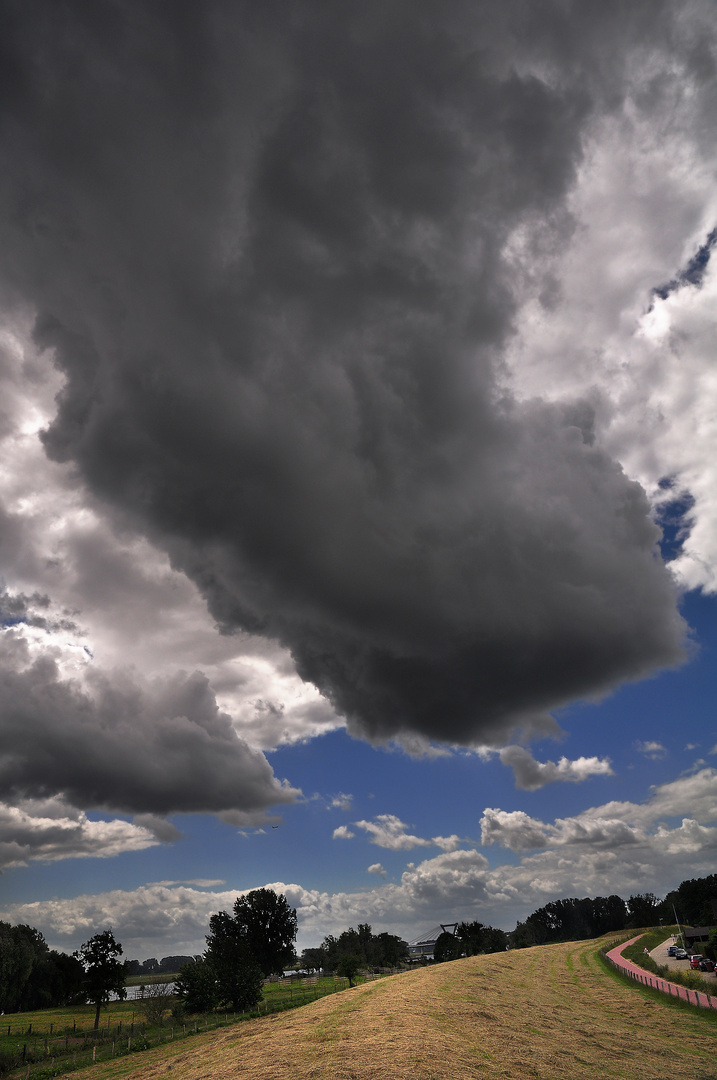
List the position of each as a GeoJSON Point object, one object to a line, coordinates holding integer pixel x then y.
{"type": "Point", "coordinates": [672, 950]}
{"type": "Point", "coordinates": [682, 955]}
{"type": "Point", "coordinates": [706, 964]}
{"type": "Point", "coordinates": [695, 960]}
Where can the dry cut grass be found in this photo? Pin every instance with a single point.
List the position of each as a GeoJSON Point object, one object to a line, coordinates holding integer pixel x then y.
{"type": "Point", "coordinates": [548, 1013]}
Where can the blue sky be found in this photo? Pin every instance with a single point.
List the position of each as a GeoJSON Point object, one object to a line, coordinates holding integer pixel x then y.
{"type": "Point", "coordinates": [657, 731]}
{"type": "Point", "coordinates": [358, 530]}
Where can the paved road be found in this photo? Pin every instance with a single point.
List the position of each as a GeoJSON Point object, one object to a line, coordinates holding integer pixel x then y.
{"type": "Point", "coordinates": [659, 955]}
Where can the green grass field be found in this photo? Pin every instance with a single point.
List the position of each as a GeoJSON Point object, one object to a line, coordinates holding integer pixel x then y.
{"type": "Point", "coordinates": [54, 1041]}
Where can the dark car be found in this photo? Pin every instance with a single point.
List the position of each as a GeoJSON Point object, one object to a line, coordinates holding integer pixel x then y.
{"type": "Point", "coordinates": [681, 955]}
{"type": "Point", "coordinates": [672, 951]}
{"type": "Point", "coordinates": [707, 965]}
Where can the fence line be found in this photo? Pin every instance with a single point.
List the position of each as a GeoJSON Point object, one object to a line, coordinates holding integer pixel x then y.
{"type": "Point", "coordinates": [699, 997]}
{"type": "Point", "coordinates": [134, 1039]}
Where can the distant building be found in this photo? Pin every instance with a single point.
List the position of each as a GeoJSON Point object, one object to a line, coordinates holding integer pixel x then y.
{"type": "Point", "coordinates": [423, 946]}
{"type": "Point", "coordinates": [696, 935]}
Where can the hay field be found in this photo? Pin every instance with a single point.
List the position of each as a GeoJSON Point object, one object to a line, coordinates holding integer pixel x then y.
{"type": "Point", "coordinates": [548, 1012]}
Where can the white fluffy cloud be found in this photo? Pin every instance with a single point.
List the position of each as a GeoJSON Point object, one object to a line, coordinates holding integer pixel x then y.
{"type": "Point", "coordinates": [531, 775]}
{"type": "Point", "coordinates": [512, 829]}
{"type": "Point", "coordinates": [388, 831]}
{"type": "Point", "coordinates": [49, 830]}
{"type": "Point", "coordinates": [615, 848]}
{"type": "Point", "coordinates": [647, 360]}
{"type": "Point", "coordinates": [615, 824]}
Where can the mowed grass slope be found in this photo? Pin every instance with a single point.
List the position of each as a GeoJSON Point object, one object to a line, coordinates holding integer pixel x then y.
{"type": "Point", "coordinates": [546, 1012]}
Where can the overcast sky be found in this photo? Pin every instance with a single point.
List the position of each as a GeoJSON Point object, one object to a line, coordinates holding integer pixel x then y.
{"type": "Point", "coordinates": [358, 467]}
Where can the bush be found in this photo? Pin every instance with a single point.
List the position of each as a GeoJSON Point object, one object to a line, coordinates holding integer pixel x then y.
{"type": "Point", "coordinates": [179, 1013]}
{"type": "Point", "coordinates": [155, 1001]}
{"type": "Point", "coordinates": [196, 987]}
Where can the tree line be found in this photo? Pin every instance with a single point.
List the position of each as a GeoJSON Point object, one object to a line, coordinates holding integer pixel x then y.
{"type": "Point", "coordinates": [368, 949]}
{"type": "Point", "coordinates": [33, 976]}
{"type": "Point", "coordinates": [168, 965]}
{"type": "Point", "coordinates": [574, 919]}
{"type": "Point", "coordinates": [256, 940]}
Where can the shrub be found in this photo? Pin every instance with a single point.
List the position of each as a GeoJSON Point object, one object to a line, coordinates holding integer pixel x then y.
{"type": "Point", "coordinates": [155, 1001]}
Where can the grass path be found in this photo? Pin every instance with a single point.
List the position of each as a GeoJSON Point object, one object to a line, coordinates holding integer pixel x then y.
{"type": "Point", "coordinates": [549, 1013]}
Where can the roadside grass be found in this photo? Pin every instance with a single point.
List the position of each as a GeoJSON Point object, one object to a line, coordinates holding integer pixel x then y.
{"type": "Point", "coordinates": [650, 939]}
{"type": "Point", "coordinates": [649, 992]}
{"type": "Point", "coordinates": [547, 1013]}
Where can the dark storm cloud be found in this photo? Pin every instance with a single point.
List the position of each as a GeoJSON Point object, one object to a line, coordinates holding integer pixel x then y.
{"type": "Point", "coordinates": [267, 244]}
{"type": "Point", "coordinates": [112, 740]}
{"type": "Point", "coordinates": [154, 749]}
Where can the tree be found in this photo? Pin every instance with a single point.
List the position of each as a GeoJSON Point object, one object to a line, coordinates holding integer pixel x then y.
{"type": "Point", "coordinates": [643, 909]}
{"type": "Point", "coordinates": [447, 947]}
{"type": "Point", "coordinates": [239, 979]}
{"type": "Point", "coordinates": [313, 959]}
{"type": "Point", "coordinates": [33, 976]}
{"type": "Point", "coordinates": [267, 926]}
{"type": "Point", "coordinates": [470, 936]}
{"type": "Point", "coordinates": [494, 939]}
{"type": "Point", "coordinates": [349, 965]}
{"type": "Point", "coordinates": [104, 971]}
{"type": "Point", "coordinates": [693, 900]}
{"type": "Point", "coordinates": [196, 986]}
{"type": "Point", "coordinates": [610, 913]}
{"type": "Point", "coordinates": [389, 950]}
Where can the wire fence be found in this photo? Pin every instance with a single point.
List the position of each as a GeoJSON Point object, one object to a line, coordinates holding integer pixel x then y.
{"type": "Point", "coordinates": [49, 1053]}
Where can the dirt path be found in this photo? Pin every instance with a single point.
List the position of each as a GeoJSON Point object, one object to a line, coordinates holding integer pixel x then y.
{"type": "Point", "coordinates": [546, 1013]}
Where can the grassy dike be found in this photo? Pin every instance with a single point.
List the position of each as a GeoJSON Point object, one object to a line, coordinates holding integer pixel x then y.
{"type": "Point", "coordinates": [552, 1012]}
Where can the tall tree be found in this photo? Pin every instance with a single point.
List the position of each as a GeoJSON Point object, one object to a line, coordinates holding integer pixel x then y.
{"type": "Point", "coordinates": [389, 950]}
{"type": "Point", "coordinates": [267, 926]}
{"type": "Point", "coordinates": [643, 909]}
{"type": "Point", "coordinates": [447, 947]}
{"type": "Point", "coordinates": [104, 971]}
{"type": "Point", "coordinates": [693, 900]}
{"type": "Point", "coordinates": [18, 950]}
{"type": "Point", "coordinates": [494, 939]}
{"type": "Point", "coordinates": [470, 936]}
{"type": "Point", "coordinates": [33, 976]}
{"type": "Point", "coordinates": [237, 973]}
